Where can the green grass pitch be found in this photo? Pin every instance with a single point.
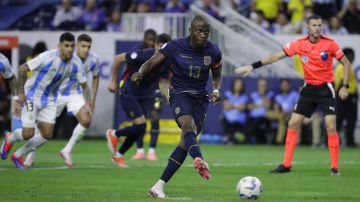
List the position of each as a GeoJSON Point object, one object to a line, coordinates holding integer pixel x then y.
{"type": "Point", "coordinates": [95, 178]}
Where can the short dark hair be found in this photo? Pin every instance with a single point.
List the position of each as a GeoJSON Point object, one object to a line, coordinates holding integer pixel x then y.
{"type": "Point", "coordinates": [200, 18]}
{"type": "Point", "coordinates": [314, 17]}
{"type": "Point", "coordinates": [84, 37]}
{"type": "Point", "coordinates": [149, 31]}
{"type": "Point", "coordinates": [67, 36]}
{"type": "Point", "coordinates": [232, 88]}
{"type": "Point", "coordinates": [163, 38]}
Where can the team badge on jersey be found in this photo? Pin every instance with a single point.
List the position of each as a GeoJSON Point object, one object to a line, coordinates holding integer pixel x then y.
{"type": "Point", "coordinates": [304, 58]}
{"type": "Point", "coordinates": [324, 56]}
{"type": "Point", "coordinates": [207, 60]}
{"type": "Point", "coordinates": [177, 110]}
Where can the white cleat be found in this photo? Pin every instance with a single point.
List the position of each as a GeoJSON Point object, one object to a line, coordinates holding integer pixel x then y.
{"type": "Point", "coordinates": [67, 158]}
{"type": "Point", "coordinates": [30, 159]}
{"type": "Point", "coordinates": [155, 192]}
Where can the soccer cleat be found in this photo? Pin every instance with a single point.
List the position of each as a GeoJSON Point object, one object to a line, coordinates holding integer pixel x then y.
{"type": "Point", "coordinates": [29, 160]}
{"type": "Point", "coordinates": [281, 169]}
{"type": "Point", "coordinates": [18, 161]}
{"type": "Point", "coordinates": [5, 146]}
{"type": "Point", "coordinates": [120, 161]}
{"type": "Point", "coordinates": [67, 158]}
{"type": "Point", "coordinates": [157, 193]}
{"type": "Point", "coordinates": [138, 156]}
{"type": "Point", "coordinates": [202, 168]}
{"type": "Point", "coordinates": [111, 141]}
{"type": "Point", "coordinates": [335, 172]}
{"type": "Point", "coordinates": [151, 156]}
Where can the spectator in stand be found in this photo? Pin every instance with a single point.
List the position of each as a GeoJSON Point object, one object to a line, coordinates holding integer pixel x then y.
{"type": "Point", "coordinates": [260, 103]}
{"type": "Point", "coordinates": [284, 103]}
{"type": "Point", "coordinates": [174, 6]}
{"type": "Point", "coordinates": [242, 6]}
{"type": "Point", "coordinates": [269, 7]}
{"type": "Point", "coordinates": [209, 7]}
{"type": "Point", "coordinates": [67, 16]}
{"type": "Point", "coordinates": [282, 25]}
{"type": "Point", "coordinates": [93, 18]}
{"type": "Point", "coordinates": [324, 8]}
{"type": "Point", "coordinates": [114, 25]}
{"type": "Point", "coordinates": [234, 105]}
{"type": "Point", "coordinates": [350, 16]}
{"type": "Point", "coordinates": [335, 27]}
{"type": "Point", "coordinates": [296, 10]}
{"type": "Point", "coordinates": [142, 6]}
{"type": "Point", "coordinates": [347, 109]}
{"type": "Point", "coordinates": [258, 18]}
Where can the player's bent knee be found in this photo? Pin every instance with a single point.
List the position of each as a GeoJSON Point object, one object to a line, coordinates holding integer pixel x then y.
{"type": "Point", "coordinates": [28, 133]}
{"type": "Point", "coordinates": [86, 122]}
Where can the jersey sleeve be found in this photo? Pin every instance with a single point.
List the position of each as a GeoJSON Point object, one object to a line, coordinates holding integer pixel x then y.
{"type": "Point", "coordinates": [217, 64]}
{"type": "Point", "coordinates": [168, 49]}
{"type": "Point", "coordinates": [6, 69]}
{"type": "Point", "coordinates": [96, 68]}
{"type": "Point", "coordinates": [291, 48]}
{"type": "Point", "coordinates": [336, 51]}
{"type": "Point", "coordinates": [38, 61]}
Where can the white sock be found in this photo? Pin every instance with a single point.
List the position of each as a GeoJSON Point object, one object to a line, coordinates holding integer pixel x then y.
{"type": "Point", "coordinates": [77, 135]}
{"type": "Point", "coordinates": [117, 155]}
{"type": "Point", "coordinates": [31, 145]}
{"type": "Point", "coordinates": [16, 136]}
{"type": "Point", "coordinates": [113, 133]}
{"type": "Point", "coordinates": [140, 150]}
{"type": "Point", "coordinates": [151, 150]}
{"type": "Point", "coordinates": [160, 184]}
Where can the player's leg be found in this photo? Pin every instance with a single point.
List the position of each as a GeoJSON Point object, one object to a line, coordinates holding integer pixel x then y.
{"type": "Point", "coordinates": [76, 105]}
{"type": "Point", "coordinates": [26, 132]}
{"type": "Point", "coordinates": [154, 134]}
{"type": "Point", "coordinates": [333, 143]}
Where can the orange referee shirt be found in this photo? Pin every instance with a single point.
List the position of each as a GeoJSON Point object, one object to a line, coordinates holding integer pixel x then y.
{"type": "Point", "coordinates": [317, 58]}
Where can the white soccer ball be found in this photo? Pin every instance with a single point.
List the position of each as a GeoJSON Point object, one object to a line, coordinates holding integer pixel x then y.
{"type": "Point", "coordinates": [249, 187]}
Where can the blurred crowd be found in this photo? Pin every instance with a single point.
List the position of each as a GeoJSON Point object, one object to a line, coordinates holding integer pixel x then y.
{"type": "Point", "coordinates": [276, 16]}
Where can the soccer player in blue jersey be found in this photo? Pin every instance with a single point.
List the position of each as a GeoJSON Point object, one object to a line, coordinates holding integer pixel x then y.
{"type": "Point", "coordinates": [71, 97]}
{"type": "Point", "coordinates": [192, 57]}
{"type": "Point", "coordinates": [38, 95]}
{"type": "Point", "coordinates": [7, 72]}
{"type": "Point", "coordinates": [135, 99]}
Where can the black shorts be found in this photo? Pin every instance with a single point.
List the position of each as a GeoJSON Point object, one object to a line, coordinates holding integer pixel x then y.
{"type": "Point", "coordinates": [135, 107]}
{"type": "Point", "coordinates": [313, 96]}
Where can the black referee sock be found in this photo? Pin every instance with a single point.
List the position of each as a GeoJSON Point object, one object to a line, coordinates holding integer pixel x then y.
{"type": "Point", "coordinates": [175, 161]}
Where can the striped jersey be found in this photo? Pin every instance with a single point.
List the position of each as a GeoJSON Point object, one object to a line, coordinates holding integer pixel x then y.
{"type": "Point", "coordinates": [48, 73]}
{"type": "Point", "coordinates": [70, 86]}
{"type": "Point", "coordinates": [5, 67]}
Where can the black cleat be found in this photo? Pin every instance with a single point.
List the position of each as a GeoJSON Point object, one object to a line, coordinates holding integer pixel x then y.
{"type": "Point", "coordinates": [335, 172]}
{"type": "Point", "coordinates": [281, 169]}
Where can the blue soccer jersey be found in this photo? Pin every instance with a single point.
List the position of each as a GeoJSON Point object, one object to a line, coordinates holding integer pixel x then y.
{"type": "Point", "coordinates": [190, 67]}
{"type": "Point", "coordinates": [148, 85]}
{"type": "Point", "coordinates": [288, 101]}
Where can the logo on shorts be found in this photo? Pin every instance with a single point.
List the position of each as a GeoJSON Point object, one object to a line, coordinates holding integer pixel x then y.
{"type": "Point", "coordinates": [207, 60]}
{"type": "Point", "coordinates": [332, 108]}
{"type": "Point", "coordinates": [177, 110]}
{"type": "Point", "coordinates": [304, 58]}
{"type": "Point", "coordinates": [324, 56]}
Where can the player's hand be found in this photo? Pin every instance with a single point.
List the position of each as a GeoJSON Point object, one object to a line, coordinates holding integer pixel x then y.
{"type": "Point", "coordinates": [136, 78]}
{"type": "Point", "coordinates": [343, 93]}
{"type": "Point", "coordinates": [21, 100]}
{"type": "Point", "coordinates": [16, 108]}
{"type": "Point", "coordinates": [215, 96]}
{"type": "Point", "coordinates": [245, 70]}
{"type": "Point", "coordinates": [112, 86]}
{"type": "Point", "coordinates": [88, 109]}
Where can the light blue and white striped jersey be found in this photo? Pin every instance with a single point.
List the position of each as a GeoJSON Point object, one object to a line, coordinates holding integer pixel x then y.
{"type": "Point", "coordinates": [48, 73]}
{"type": "Point", "coordinates": [70, 86]}
{"type": "Point", "coordinates": [5, 68]}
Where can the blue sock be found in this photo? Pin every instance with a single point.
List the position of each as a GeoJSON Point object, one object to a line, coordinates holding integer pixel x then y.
{"type": "Point", "coordinates": [128, 130]}
{"type": "Point", "coordinates": [138, 130]}
{"type": "Point", "coordinates": [191, 145]}
{"type": "Point", "coordinates": [154, 133]}
{"type": "Point", "coordinates": [175, 161]}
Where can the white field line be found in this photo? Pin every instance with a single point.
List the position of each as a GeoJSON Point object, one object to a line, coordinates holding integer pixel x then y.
{"type": "Point", "coordinates": [110, 166]}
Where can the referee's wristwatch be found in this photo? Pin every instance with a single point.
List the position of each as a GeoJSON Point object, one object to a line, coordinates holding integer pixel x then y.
{"type": "Point", "coordinates": [346, 86]}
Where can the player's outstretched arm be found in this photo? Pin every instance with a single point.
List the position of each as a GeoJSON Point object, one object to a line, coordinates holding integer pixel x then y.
{"type": "Point", "coordinates": [95, 86]}
{"type": "Point", "coordinates": [343, 92]}
{"type": "Point", "coordinates": [216, 82]}
{"type": "Point", "coordinates": [87, 96]}
{"type": "Point", "coordinates": [155, 60]}
{"type": "Point", "coordinates": [120, 58]}
{"type": "Point", "coordinates": [164, 85]}
{"type": "Point", "coordinates": [14, 91]}
{"type": "Point", "coordinates": [23, 69]}
{"type": "Point", "coordinates": [247, 69]}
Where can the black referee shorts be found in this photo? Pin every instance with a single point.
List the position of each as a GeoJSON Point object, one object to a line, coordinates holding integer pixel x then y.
{"type": "Point", "coordinates": [313, 96]}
